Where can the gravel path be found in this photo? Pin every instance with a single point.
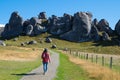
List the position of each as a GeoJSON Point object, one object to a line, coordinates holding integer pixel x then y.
{"type": "Point", "coordinates": [37, 74]}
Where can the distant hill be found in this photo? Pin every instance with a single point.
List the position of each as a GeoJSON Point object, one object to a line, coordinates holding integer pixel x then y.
{"type": "Point", "coordinates": [2, 25]}
{"type": "Point", "coordinates": [1, 28]}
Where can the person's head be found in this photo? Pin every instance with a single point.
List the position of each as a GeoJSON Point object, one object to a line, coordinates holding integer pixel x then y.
{"type": "Point", "coordinates": [45, 50]}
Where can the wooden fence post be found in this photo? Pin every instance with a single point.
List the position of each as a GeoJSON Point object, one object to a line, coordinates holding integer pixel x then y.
{"type": "Point", "coordinates": [96, 59]}
{"type": "Point", "coordinates": [111, 60]}
{"type": "Point", "coordinates": [70, 51]}
{"type": "Point", "coordinates": [102, 60]}
{"type": "Point", "coordinates": [92, 57]}
{"type": "Point", "coordinates": [86, 56]}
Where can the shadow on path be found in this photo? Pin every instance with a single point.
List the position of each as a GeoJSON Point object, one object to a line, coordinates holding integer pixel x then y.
{"type": "Point", "coordinates": [27, 74]}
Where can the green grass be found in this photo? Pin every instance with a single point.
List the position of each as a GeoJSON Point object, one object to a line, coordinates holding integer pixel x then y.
{"type": "Point", "coordinates": [14, 70]}
{"type": "Point", "coordinates": [103, 47]}
{"type": "Point", "coordinates": [70, 71]}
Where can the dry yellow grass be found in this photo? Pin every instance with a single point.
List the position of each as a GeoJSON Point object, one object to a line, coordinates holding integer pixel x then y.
{"type": "Point", "coordinates": [24, 54]}
{"type": "Point", "coordinates": [96, 71]}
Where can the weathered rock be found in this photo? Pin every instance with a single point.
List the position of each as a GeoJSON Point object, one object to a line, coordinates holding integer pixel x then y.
{"type": "Point", "coordinates": [105, 36]}
{"type": "Point", "coordinates": [14, 27]}
{"type": "Point", "coordinates": [117, 27]}
{"type": "Point", "coordinates": [95, 22]}
{"type": "Point", "coordinates": [23, 44]}
{"type": "Point", "coordinates": [94, 34]}
{"type": "Point", "coordinates": [29, 30]}
{"type": "Point", "coordinates": [81, 28]}
{"type": "Point", "coordinates": [42, 15]}
{"type": "Point", "coordinates": [32, 42]}
{"type": "Point", "coordinates": [103, 25]}
{"type": "Point", "coordinates": [34, 21]}
{"type": "Point", "coordinates": [60, 25]}
{"type": "Point", "coordinates": [25, 25]}
{"type": "Point", "coordinates": [2, 43]}
{"type": "Point", "coordinates": [54, 46]}
{"type": "Point", "coordinates": [48, 40]}
{"type": "Point", "coordinates": [15, 39]}
{"type": "Point", "coordinates": [39, 29]}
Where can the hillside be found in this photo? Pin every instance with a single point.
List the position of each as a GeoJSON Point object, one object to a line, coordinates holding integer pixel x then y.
{"type": "Point", "coordinates": [104, 47]}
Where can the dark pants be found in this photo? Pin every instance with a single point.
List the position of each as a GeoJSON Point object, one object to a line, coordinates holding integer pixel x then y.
{"type": "Point", "coordinates": [45, 66]}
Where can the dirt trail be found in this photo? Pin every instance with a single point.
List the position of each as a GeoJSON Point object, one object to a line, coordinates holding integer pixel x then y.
{"type": "Point", "coordinates": [37, 74]}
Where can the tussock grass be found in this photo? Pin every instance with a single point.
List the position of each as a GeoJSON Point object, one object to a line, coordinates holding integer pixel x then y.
{"type": "Point", "coordinates": [95, 71]}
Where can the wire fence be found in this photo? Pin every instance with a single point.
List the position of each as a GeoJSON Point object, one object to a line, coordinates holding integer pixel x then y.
{"type": "Point", "coordinates": [111, 61]}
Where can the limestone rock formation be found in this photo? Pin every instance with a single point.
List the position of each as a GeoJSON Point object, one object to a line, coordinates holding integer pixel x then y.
{"type": "Point", "coordinates": [117, 27]}
{"type": "Point", "coordinates": [105, 36]}
{"type": "Point", "coordinates": [95, 22]}
{"type": "Point", "coordinates": [81, 28]}
{"type": "Point", "coordinates": [60, 25]}
{"type": "Point", "coordinates": [14, 27]}
{"type": "Point", "coordinates": [42, 15]}
{"type": "Point", "coordinates": [103, 25]}
{"type": "Point", "coordinates": [94, 34]}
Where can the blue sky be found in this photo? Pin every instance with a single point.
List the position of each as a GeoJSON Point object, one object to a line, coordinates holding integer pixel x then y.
{"type": "Point", "coordinates": [108, 9]}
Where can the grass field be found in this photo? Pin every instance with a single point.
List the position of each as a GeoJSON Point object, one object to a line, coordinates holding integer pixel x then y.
{"type": "Point", "coordinates": [70, 71]}
{"type": "Point", "coordinates": [14, 70]}
{"type": "Point", "coordinates": [16, 60]}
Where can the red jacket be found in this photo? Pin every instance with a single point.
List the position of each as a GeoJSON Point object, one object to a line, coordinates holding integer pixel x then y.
{"type": "Point", "coordinates": [45, 57]}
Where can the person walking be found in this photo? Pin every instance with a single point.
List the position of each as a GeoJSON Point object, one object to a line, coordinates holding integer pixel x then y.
{"type": "Point", "coordinates": [45, 59]}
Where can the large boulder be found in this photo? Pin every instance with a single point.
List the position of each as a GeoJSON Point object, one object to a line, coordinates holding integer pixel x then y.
{"type": "Point", "coordinates": [42, 15]}
{"type": "Point", "coordinates": [29, 30]}
{"type": "Point", "coordinates": [81, 28]}
{"type": "Point", "coordinates": [48, 40]}
{"type": "Point", "coordinates": [117, 27]}
{"type": "Point", "coordinates": [34, 21]}
{"type": "Point", "coordinates": [105, 36]}
{"type": "Point", "coordinates": [2, 43]}
{"type": "Point", "coordinates": [60, 25]}
{"type": "Point", "coordinates": [33, 27]}
{"type": "Point", "coordinates": [94, 34]}
{"type": "Point", "coordinates": [95, 22]}
{"type": "Point", "coordinates": [14, 27]}
{"type": "Point", "coordinates": [103, 25]}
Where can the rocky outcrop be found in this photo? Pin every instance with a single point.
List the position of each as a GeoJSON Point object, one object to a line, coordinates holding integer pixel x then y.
{"type": "Point", "coordinates": [94, 33]}
{"type": "Point", "coordinates": [95, 22]}
{"type": "Point", "coordinates": [103, 25]}
{"type": "Point", "coordinates": [60, 25]}
{"type": "Point", "coordinates": [42, 15]}
{"type": "Point", "coordinates": [117, 27]}
{"type": "Point", "coordinates": [81, 28]}
{"type": "Point", "coordinates": [105, 36]}
{"type": "Point", "coordinates": [77, 28]}
{"type": "Point", "coordinates": [14, 27]}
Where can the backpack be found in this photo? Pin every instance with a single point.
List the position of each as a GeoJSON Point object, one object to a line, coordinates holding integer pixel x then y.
{"type": "Point", "coordinates": [45, 55]}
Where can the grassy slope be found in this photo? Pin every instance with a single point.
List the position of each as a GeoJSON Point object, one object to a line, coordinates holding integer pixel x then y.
{"type": "Point", "coordinates": [105, 47]}
{"type": "Point", "coordinates": [14, 70]}
{"type": "Point", "coordinates": [70, 71]}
